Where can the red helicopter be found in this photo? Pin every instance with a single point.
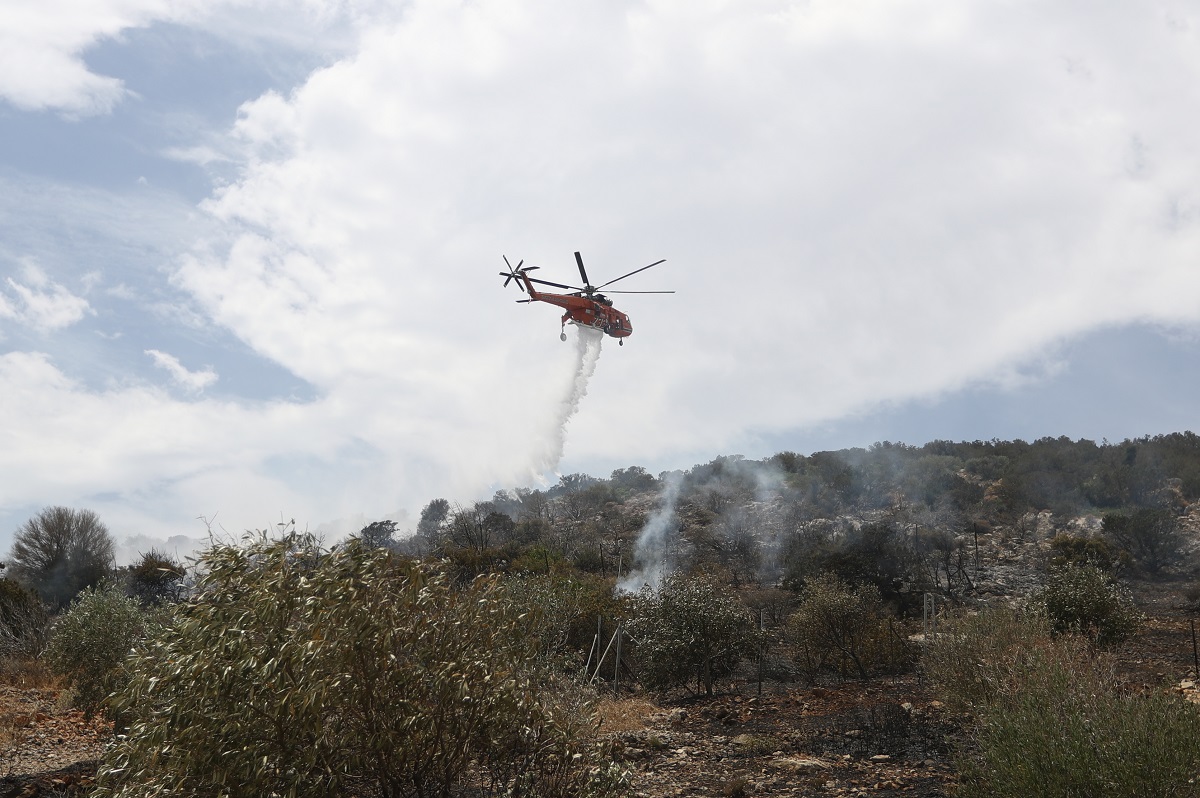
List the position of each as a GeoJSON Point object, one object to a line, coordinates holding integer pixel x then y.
{"type": "Point", "coordinates": [587, 307]}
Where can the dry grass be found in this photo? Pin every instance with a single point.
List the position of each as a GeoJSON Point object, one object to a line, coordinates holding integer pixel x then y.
{"type": "Point", "coordinates": [26, 673]}
{"type": "Point", "coordinates": [624, 715]}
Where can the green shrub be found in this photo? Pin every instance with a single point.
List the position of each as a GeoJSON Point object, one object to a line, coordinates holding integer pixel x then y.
{"type": "Point", "coordinates": [1073, 550]}
{"type": "Point", "coordinates": [1084, 600]}
{"type": "Point", "coordinates": [91, 641]}
{"type": "Point", "coordinates": [836, 622]}
{"type": "Point", "coordinates": [295, 671]}
{"type": "Point", "coordinates": [1063, 727]}
{"type": "Point", "coordinates": [689, 629]}
{"type": "Point", "coordinates": [1150, 536]}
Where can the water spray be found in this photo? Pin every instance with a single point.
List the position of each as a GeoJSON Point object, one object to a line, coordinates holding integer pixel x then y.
{"type": "Point", "coordinates": [587, 355]}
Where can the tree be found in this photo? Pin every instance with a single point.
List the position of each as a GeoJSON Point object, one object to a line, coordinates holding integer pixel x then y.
{"type": "Point", "coordinates": [432, 518]}
{"type": "Point", "coordinates": [378, 534]}
{"type": "Point", "coordinates": [156, 578]}
{"type": "Point", "coordinates": [690, 629]}
{"type": "Point", "coordinates": [1150, 536]}
{"type": "Point", "coordinates": [60, 552]}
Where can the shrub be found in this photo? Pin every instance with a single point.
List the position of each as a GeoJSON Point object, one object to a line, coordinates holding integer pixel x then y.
{"type": "Point", "coordinates": [24, 622]}
{"type": "Point", "coordinates": [90, 642]}
{"type": "Point", "coordinates": [1084, 600]}
{"type": "Point", "coordinates": [969, 660]}
{"type": "Point", "coordinates": [295, 671]}
{"type": "Point", "coordinates": [1150, 536]}
{"type": "Point", "coordinates": [690, 629]}
{"type": "Point", "coordinates": [835, 620]}
{"type": "Point", "coordinates": [1064, 727]}
{"type": "Point", "coordinates": [1072, 550]}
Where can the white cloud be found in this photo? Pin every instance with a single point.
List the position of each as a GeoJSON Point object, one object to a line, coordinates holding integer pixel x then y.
{"type": "Point", "coordinates": [42, 44]}
{"type": "Point", "coordinates": [194, 381]}
{"type": "Point", "coordinates": [860, 203]}
{"type": "Point", "coordinates": [39, 303]}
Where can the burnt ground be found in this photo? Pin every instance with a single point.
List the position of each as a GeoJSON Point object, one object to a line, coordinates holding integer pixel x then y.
{"type": "Point", "coordinates": [884, 737]}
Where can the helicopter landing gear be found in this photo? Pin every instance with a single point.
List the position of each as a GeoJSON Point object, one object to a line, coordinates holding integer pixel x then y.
{"type": "Point", "coordinates": [562, 336]}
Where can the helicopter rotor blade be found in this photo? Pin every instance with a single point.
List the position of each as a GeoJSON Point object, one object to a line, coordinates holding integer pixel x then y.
{"type": "Point", "coordinates": [582, 272]}
{"type": "Point", "coordinates": [641, 292]}
{"type": "Point", "coordinates": [556, 285]}
{"type": "Point", "coordinates": [635, 271]}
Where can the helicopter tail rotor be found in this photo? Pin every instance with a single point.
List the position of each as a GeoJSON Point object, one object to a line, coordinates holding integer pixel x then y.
{"type": "Point", "coordinates": [515, 273]}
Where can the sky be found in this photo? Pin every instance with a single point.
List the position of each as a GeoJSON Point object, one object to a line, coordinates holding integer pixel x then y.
{"type": "Point", "coordinates": [249, 249]}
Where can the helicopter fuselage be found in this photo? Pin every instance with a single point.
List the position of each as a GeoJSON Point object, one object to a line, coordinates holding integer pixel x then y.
{"type": "Point", "coordinates": [598, 314]}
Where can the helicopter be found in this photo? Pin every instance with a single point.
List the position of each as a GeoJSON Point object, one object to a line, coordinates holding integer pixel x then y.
{"type": "Point", "coordinates": [586, 307]}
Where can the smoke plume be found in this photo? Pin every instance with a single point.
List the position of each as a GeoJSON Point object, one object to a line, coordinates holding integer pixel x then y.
{"type": "Point", "coordinates": [651, 559]}
{"type": "Point", "coordinates": [587, 355]}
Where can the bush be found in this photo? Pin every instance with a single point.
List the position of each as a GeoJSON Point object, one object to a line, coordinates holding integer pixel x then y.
{"type": "Point", "coordinates": [24, 622]}
{"type": "Point", "coordinates": [1084, 600]}
{"type": "Point", "coordinates": [1064, 727]}
{"type": "Point", "coordinates": [1150, 536]}
{"type": "Point", "coordinates": [835, 620]}
{"type": "Point", "coordinates": [295, 671]}
{"type": "Point", "coordinates": [690, 629]}
{"type": "Point", "coordinates": [969, 660]}
{"type": "Point", "coordinates": [1072, 550]}
{"type": "Point", "coordinates": [90, 643]}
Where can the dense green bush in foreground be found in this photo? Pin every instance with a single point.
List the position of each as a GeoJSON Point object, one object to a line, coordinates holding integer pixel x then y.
{"type": "Point", "coordinates": [299, 672]}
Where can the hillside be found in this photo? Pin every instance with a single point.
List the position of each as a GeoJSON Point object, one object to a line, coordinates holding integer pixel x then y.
{"type": "Point", "coordinates": [958, 529]}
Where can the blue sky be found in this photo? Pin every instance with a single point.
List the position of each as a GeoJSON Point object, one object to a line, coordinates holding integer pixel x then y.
{"type": "Point", "coordinates": [248, 248]}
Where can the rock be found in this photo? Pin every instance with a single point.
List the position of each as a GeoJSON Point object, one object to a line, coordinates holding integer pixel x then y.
{"type": "Point", "coordinates": [798, 764]}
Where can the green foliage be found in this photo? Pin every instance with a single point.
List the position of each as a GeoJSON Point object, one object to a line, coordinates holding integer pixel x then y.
{"type": "Point", "coordinates": [1072, 550]}
{"type": "Point", "coordinates": [690, 629]}
{"type": "Point", "coordinates": [295, 671]}
{"type": "Point", "coordinates": [59, 552]}
{"type": "Point", "coordinates": [24, 622]}
{"type": "Point", "coordinates": [1084, 600]}
{"type": "Point", "coordinates": [91, 641]}
{"type": "Point", "coordinates": [835, 620]}
{"type": "Point", "coordinates": [1062, 726]}
{"type": "Point", "coordinates": [562, 611]}
{"type": "Point", "coordinates": [872, 554]}
{"type": "Point", "coordinates": [1150, 536]}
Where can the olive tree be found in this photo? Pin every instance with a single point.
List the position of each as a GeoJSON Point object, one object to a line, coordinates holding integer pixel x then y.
{"type": "Point", "coordinates": [60, 552]}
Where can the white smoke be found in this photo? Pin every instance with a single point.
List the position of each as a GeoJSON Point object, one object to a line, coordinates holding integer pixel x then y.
{"type": "Point", "coordinates": [650, 556]}
{"type": "Point", "coordinates": [587, 355]}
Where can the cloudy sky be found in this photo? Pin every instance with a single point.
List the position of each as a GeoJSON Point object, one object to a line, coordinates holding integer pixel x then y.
{"type": "Point", "coordinates": [249, 248]}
